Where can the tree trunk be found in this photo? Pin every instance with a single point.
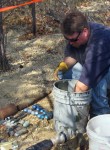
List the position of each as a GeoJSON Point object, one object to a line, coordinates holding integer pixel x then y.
{"type": "Point", "coordinates": [33, 19]}
{"type": "Point", "coordinates": [4, 66]}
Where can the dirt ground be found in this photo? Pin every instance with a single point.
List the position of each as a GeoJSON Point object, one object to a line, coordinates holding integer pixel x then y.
{"type": "Point", "coordinates": [40, 130]}
{"type": "Point", "coordinates": [33, 63]}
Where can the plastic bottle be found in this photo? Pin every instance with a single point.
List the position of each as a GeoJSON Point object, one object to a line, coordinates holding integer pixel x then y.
{"type": "Point", "coordinates": [34, 107]}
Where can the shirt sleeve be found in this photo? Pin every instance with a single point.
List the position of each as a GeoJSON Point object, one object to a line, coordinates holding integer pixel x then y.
{"type": "Point", "coordinates": [96, 63]}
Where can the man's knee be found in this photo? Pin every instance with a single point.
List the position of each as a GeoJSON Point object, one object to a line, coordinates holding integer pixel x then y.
{"type": "Point", "coordinates": [76, 71]}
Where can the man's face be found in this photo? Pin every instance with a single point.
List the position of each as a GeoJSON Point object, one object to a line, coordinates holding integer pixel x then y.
{"type": "Point", "coordinates": [78, 38]}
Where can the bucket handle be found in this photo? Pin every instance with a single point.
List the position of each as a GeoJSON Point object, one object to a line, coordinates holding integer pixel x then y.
{"type": "Point", "coordinates": [69, 95]}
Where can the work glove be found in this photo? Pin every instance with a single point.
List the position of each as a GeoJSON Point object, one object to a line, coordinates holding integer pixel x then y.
{"type": "Point", "coordinates": [62, 68]}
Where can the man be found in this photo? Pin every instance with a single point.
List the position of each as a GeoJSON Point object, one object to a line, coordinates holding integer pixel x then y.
{"type": "Point", "coordinates": [88, 49]}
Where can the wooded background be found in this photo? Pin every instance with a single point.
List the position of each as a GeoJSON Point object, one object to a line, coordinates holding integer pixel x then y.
{"type": "Point", "coordinates": [38, 18]}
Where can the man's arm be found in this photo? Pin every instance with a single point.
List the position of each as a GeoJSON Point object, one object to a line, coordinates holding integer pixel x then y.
{"type": "Point", "coordinates": [80, 87]}
{"type": "Point", "coordinates": [64, 66]}
{"type": "Point", "coordinates": [70, 61]}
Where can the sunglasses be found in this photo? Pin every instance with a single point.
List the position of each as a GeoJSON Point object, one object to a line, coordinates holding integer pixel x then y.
{"type": "Point", "coordinates": [73, 40]}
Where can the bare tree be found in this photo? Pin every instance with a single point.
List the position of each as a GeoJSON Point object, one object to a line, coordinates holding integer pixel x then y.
{"type": "Point", "coordinates": [33, 12]}
{"type": "Point", "coordinates": [3, 60]}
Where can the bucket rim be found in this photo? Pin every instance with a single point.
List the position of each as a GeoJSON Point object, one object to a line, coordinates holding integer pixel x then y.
{"type": "Point", "coordinates": [88, 91]}
{"type": "Point", "coordinates": [93, 134]}
{"type": "Point", "coordinates": [94, 118]}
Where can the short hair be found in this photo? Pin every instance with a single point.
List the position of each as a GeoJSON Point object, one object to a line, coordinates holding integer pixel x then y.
{"type": "Point", "coordinates": [74, 21]}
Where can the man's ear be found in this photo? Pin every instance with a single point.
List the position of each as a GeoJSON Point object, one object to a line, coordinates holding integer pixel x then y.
{"type": "Point", "coordinates": [86, 31]}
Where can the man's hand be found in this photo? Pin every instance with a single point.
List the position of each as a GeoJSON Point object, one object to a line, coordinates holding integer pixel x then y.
{"type": "Point", "coordinates": [56, 74]}
{"type": "Point", "coordinates": [81, 87]}
{"type": "Point", "coordinates": [61, 67]}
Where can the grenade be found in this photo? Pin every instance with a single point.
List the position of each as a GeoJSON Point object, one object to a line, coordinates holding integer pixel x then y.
{"type": "Point", "coordinates": [33, 112]}
{"type": "Point", "coordinates": [39, 108]}
{"type": "Point", "coordinates": [21, 132]}
{"type": "Point", "coordinates": [34, 107]}
{"type": "Point", "coordinates": [21, 122]}
{"type": "Point", "coordinates": [29, 111]}
{"type": "Point", "coordinates": [36, 113]}
{"type": "Point", "coordinates": [25, 110]}
{"type": "Point", "coordinates": [41, 116]}
{"type": "Point", "coordinates": [43, 111]}
{"type": "Point", "coordinates": [10, 131]}
{"type": "Point", "coordinates": [49, 115]}
{"type": "Point", "coordinates": [26, 124]}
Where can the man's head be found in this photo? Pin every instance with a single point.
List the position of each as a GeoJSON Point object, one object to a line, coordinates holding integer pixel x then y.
{"type": "Point", "coordinates": [75, 28]}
